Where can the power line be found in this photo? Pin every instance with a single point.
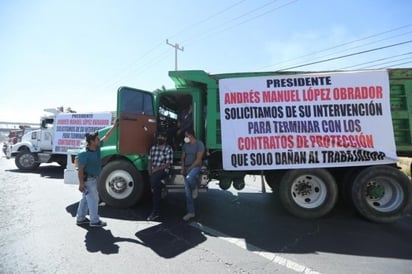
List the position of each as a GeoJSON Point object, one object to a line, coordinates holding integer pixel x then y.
{"type": "Point", "coordinates": [385, 64]}
{"type": "Point", "coordinates": [207, 18]}
{"type": "Point", "coordinates": [145, 66]}
{"type": "Point", "coordinates": [251, 11]}
{"type": "Point", "coordinates": [341, 45]}
{"type": "Point", "coordinates": [360, 46]}
{"type": "Point", "coordinates": [195, 24]}
{"type": "Point", "coordinates": [220, 29]}
{"type": "Point", "coordinates": [125, 69]}
{"type": "Point", "coordinates": [128, 68]}
{"type": "Point", "coordinates": [159, 58]}
{"type": "Point", "coordinates": [260, 15]}
{"type": "Point", "coordinates": [152, 60]}
{"type": "Point", "coordinates": [267, 12]}
{"type": "Point", "coordinates": [377, 60]}
{"type": "Point", "coordinates": [399, 64]}
{"type": "Point", "coordinates": [355, 47]}
{"type": "Point", "coordinates": [347, 55]}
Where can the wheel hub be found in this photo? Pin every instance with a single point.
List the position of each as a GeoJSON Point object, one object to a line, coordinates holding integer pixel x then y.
{"type": "Point", "coordinates": [27, 160]}
{"type": "Point", "coordinates": [303, 188]}
{"type": "Point", "coordinates": [308, 191]}
{"type": "Point", "coordinates": [375, 191]}
{"type": "Point", "coordinates": [118, 184]}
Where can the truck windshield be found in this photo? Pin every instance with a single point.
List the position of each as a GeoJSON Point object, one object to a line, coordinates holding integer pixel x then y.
{"type": "Point", "coordinates": [136, 102]}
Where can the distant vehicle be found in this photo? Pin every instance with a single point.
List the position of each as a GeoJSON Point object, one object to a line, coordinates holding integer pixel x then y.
{"type": "Point", "coordinates": [58, 132]}
{"type": "Point", "coordinates": [15, 136]}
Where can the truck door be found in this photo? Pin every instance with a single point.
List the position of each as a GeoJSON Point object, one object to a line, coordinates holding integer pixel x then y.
{"type": "Point", "coordinates": [137, 121]}
{"type": "Point", "coordinates": [45, 139]}
{"type": "Point", "coordinates": [45, 136]}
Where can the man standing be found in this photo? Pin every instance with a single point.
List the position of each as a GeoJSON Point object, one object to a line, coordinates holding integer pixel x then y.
{"type": "Point", "coordinates": [160, 160]}
{"type": "Point", "coordinates": [5, 149]}
{"type": "Point", "coordinates": [192, 154]}
{"type": "Point", "coordinates": [89, 167]}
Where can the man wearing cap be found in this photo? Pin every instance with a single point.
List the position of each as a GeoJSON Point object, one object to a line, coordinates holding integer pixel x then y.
{"type": "Point", "coordinates": [89, 167]}
{"type": "Point", "coordinates": [160, 160]}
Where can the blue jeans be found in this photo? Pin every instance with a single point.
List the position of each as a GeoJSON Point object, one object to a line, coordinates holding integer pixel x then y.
{"type": "Point", "coordinates": [156, 184]}
{"type": "Point", "coordinates": [89, 202]}
{"type": "Point", "coordinates": [191, 180]}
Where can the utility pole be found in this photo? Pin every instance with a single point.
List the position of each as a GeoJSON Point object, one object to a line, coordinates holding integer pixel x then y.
{"type": "Point", "coordinates": [176, 46]}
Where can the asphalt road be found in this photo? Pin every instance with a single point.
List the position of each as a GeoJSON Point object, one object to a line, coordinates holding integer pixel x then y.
{"type": "Point", "coordinates": [233, 232]}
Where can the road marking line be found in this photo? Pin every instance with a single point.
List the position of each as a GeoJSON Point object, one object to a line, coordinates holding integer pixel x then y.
{"type": "Point", "coordinates": [273, 257]}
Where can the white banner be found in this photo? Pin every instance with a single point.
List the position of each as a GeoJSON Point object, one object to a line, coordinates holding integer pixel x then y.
{"type": "Point", "coordinates": [306, 121]}
{"type": "Point", "coordinates": [70, 128]}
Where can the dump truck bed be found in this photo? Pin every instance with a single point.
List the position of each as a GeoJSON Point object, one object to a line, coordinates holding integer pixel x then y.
{"type": "Point", "coordinates": [400, 102]}
{"type": "Point", "coordinates": [401, 109]}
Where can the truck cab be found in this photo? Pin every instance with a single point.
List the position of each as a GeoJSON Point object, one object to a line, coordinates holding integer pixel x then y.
{"type": "Point", "coordinates": [141, 114]}
{"type": "Point", "coordinates": [36, 146]}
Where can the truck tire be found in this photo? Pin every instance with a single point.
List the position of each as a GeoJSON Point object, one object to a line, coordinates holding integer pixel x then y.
{"type": "Point", "coordinates": [120, 184]}
{"type": "Point", "coordinates": [26, 160]}
{"type": "Point", "coordinates": [225, 183]}
{"type": "Point", "coordinates": [382, 194]}
{"type": "Point", "coordinates": [345, 186]}
{"type": "Point", "coordinates": [308, 193]}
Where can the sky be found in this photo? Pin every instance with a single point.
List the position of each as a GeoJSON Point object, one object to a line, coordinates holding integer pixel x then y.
{"type": "Point", "coordinates": [78, 53]}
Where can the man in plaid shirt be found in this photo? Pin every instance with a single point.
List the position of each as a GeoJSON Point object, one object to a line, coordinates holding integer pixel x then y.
{"type": "Point", "coordinates": [160, 160]}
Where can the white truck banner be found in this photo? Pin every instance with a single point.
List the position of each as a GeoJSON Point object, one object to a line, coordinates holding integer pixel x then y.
{"type": "Point", "coordinates": [306, 121]}
{"type": "Point", "coordinates": [70, 128]}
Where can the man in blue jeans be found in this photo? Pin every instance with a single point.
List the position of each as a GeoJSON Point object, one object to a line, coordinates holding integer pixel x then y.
{"type": "Point", "coordinates": [192, 154]}
{"type": "Point", "coordinates": [160, 161]}
{"type": "Point", "coordinates": [89, 167]}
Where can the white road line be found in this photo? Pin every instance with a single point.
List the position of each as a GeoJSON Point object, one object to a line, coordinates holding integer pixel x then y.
{"type": "Point", "coordinates": [273, 257]}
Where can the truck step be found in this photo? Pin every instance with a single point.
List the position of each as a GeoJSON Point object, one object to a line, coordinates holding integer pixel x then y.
{"type": "Point", "coordinates": [44, 157]}
{"type": "Point", "coordinates": [180, 188]}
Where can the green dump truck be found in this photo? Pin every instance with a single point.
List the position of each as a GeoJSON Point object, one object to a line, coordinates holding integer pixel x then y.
{"type": "Point", "coordinates": [315, 136]}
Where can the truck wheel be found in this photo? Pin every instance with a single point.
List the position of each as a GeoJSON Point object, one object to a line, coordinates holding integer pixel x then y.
{"type": "Point", "coordinates": [382, 194]}
{"type": "Point", "coordinates": [225, 183]}
{"type": "Point", "coordinates": [26, 160]}
{"type": "Point", "coordinates": [345, 186]}
{"type": "Point", "coordinates": [120, 184]}
{"type": "Point", "coordinates": [308, 193]}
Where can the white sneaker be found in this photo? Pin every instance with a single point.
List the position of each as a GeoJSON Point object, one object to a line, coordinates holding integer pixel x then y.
{"type": "Point", "coordinates": [195, 192]}
{"type": "Point", "coordinates": [188, 216]}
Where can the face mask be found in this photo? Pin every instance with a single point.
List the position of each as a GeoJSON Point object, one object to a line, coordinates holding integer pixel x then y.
{"type": "Point", "coordinates": [186, 139]}
{"type": "Point", "coordinates": [161, 141]}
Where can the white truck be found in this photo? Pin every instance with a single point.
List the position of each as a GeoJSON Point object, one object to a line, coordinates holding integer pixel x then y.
{"type": "Point", "coordinates": [58, 132]}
